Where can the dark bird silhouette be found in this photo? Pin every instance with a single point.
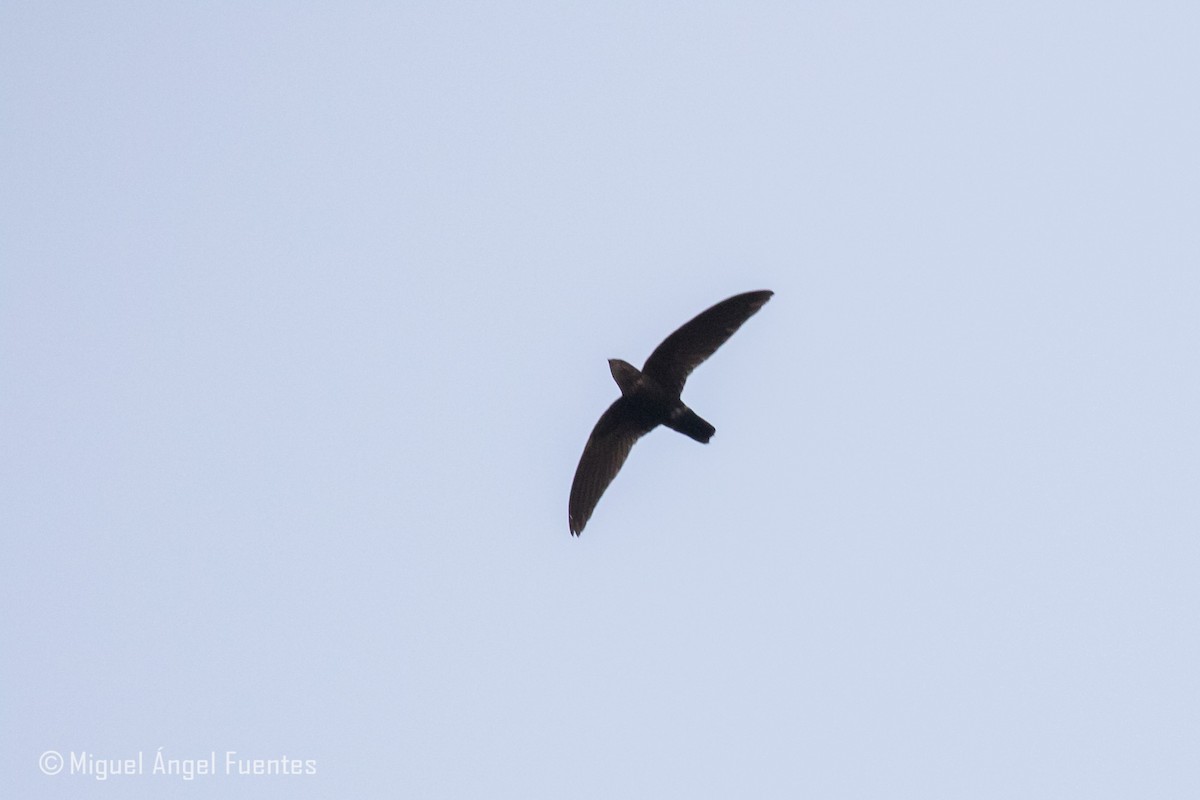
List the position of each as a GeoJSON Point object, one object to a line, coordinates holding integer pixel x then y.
{"type": "Point", "coordinates": [651, 398]}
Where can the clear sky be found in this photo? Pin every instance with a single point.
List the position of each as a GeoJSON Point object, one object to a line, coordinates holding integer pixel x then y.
{"type": "Point", "coordinates": [304, 315]}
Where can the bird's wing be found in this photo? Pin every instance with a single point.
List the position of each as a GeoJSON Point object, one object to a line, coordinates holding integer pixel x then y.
{"type": "Point", "coordinates": [685, 349]}
{"type": "Point", "coordinates": [606, 450]}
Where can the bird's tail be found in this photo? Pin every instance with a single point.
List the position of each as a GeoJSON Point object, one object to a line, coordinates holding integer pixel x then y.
{"type": "Point", "coordinates": [689, 423]}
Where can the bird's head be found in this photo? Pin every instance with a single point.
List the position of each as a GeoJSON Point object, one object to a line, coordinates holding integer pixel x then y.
{"type": "Point", "coordinates": [625, 374]}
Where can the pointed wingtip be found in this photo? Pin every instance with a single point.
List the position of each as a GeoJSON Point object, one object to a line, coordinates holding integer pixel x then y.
{"type": "Point", "coordinates": [760, 299]}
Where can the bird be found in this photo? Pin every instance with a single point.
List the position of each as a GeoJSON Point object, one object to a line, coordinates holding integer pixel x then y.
{"type": "Point", "coordinates": [651, 397]}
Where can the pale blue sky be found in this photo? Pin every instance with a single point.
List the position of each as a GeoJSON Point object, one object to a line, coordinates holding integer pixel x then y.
{"type": "Point", "coordinates": [304, 315]}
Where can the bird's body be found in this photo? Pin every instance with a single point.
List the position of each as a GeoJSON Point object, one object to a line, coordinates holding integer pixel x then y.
{"type": "Point", "coordinates": [651, 397]}
{"type": "Point", "coordinates": [657, 403]}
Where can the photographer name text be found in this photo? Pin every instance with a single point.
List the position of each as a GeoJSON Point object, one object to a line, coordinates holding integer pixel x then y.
{"type": "Point", "coordinates": [225, 763]}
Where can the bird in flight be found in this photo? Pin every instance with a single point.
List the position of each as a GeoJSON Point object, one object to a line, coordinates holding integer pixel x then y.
{"type": "Point", "coordinates": [650, 398]}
